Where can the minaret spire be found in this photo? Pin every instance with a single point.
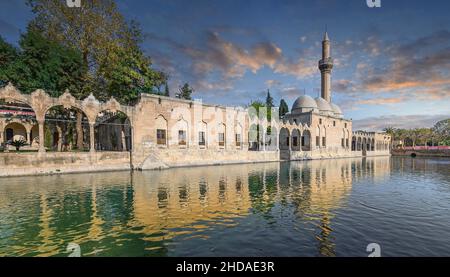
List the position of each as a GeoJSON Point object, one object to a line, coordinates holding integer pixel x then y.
{"type": "Point", "coordinates": [325, 66]}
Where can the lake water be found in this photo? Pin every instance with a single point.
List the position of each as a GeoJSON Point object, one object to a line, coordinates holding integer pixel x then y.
{"type": "Point", "coordinates": [315, 208]}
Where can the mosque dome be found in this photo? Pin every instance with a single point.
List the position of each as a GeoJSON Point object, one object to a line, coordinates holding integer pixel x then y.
{"type": "Point", "coordinates": [336, 110]}
{"type": "Point", "coordinates": [323, 105]}
{"type": "Point", "coordinates": [304, 103]}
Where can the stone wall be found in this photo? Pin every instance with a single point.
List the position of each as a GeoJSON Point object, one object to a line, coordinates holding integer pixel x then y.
{"type": "Point", "coordinates": [424, 153]}
{"type": "Point", "coordinates": [16, 164]}
{"type": "Point", "coordinates": [166, 158]}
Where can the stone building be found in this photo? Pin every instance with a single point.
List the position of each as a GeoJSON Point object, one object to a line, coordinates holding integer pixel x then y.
{"type": "Point", "coordinates": [161, 132]}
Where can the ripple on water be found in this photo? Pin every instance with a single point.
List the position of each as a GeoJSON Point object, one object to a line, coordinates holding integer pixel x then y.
{"type": "Point", "coordinates": [316, 208]}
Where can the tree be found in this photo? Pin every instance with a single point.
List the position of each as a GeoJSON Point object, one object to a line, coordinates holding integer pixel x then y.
{"type": "Point", "coordinates": [166, 90]}
{"type": "Point", "coordinates": [269, 105]}
{"type": "Point", "coordinates": [109, 46]}
{"type": "Point", "coordinates": [185, 92]}
{"type": "Point", "coordinates": [114, 63]}
{"type": "Point", "coordinates": [269, 100]}
{"type": "Point", "coordinates": [284, 109]}
{"type": "Point", "coordinates": [8, 53]}
{"type": "Point", "coordinates": [41, 63]}
{"type": "Point", "coordinates": [18, 143]}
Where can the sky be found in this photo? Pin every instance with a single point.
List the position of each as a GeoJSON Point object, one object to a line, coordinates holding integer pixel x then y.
{"type": "Point", "coordinates": [392, 64]}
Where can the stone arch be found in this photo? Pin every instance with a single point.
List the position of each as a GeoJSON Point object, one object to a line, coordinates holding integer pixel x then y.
{"type": "Point", "coordinates": [62, 132]}
{"type": "Point", "coordinates": [222, 135]}
{"type": "Point", "coordinates": [11, 94]}
{"type": "Point", "coordinates": [254, 136]}
{"type": "Point", "coordinates": [318, 136]}
{"type": "Point", "coordinates": [14, 131]}
{"type": "Point", "coordinates": [359, 144]}
{"type": "Point", "coordinates": [347, 139]}
{"type": "Point", "coordinates": [238, 133]}
{"type": "Point", "coordinates": [180, 133]}
{"type": "Point", "coordinates": [323, 139]}
{"type": "Point", "coordinates": [161, 130]}
{"type": "Point", "coordinates": [272, 139]}
{"type": "Point", "coordinates": [284, 140]}
{"type": "Point", "coordinates": [296, 140]}
{"type": "Point", "coordinates": [34, 135]}
{"type": "Point", "coordinates": [203, 134]}
{"type": "Point", "coordinates": [16, 108]}
{"type": "Point", "coordinates": [113, 131]}
{"type": "Point", "coordinates": [306, 141]}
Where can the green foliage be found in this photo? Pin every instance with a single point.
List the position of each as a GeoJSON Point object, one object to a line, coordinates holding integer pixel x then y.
{"type": "Point", "coordinates": [284, 109]}
{"type": "Point", "coordinates": [43, 64]}
{"type": "Point", "coordinates": [109, 46]}
{"type": "Point", "coordinates": [7, 53]}
{"type": "Point", "coordinates": [48, 137]}
{"type": "Point", "coordinates": [269, 105]}
{"type": "Point", "coordinates": [18, 143]}
{"type": "Point", "coordinates": [438, 135]}
{"type": "Point", "coordinates": [166, 90]}
{"type": "Point", "coordinates": [257, 108]}
{"type": "Point", "coordinates": [269, 100]}
{"type": "Point", "coordinates": [185, 92]}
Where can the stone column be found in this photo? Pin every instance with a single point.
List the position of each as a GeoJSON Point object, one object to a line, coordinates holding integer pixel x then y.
{"type": "Point", "coordinates": [41, 135]}
{"type": "Point", "coordinates": [29, 138]}
{"type": "Point", "coordinates": [59, 131]}
{"type": "Point", "coordinates": [91, 137]}
{"type": "Point", "coordinates": [263, 139]}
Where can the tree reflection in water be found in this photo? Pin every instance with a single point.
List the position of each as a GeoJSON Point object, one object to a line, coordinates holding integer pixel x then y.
{"type": "Point", "coordinates": [157, 213]}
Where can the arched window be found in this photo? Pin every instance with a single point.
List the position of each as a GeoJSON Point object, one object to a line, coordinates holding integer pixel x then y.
{"type": "Point", "coordinates": [161, 130]}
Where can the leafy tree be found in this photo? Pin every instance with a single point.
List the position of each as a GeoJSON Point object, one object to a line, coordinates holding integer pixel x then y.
{"type": "Point", "coordinates": [43, 64]}
{"type": "Point", "coordinates": [8, 53]}
{"type": "Point", "coordinates": [284, 109]}
{"type": "Point", "coordinates": [185, 92]}
{"type": "Point", "coordinates": [109, 46]}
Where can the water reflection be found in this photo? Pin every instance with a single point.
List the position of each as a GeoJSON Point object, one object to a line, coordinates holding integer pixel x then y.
{"type": "Point", "coordinates": [273, 208]}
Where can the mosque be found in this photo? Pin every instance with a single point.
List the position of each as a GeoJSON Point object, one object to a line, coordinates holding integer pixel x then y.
{"type": "Point", "coordinates": [162, 132]}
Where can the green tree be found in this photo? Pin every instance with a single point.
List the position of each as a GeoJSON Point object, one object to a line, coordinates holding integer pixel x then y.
{"type": "Point", "coordinates": [109, 46]}
{"type": "Point", "coordinates": [185, 92]}
{"type": "Point", "coordinates": [284, 109]}
{"type": "Point", "coordinates": [8, 53]}
{"type": "Point", "coordinates": [269, 105]}
{"type": "Point", "coordinates": [166, 90]}
{"type": "Point", "coordinates": [43, 64]}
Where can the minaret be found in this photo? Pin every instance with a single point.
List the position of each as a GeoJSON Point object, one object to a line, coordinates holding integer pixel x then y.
{"type": "Point", "coordinates": [325, 66]}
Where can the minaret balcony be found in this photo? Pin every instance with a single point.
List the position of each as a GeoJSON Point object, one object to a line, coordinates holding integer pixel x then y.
{"type": "Point", "coordinates": [326, 64]}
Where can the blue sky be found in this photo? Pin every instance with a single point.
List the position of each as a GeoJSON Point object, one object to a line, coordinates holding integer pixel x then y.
{"type": "Point", "coordinates": [392, 64]}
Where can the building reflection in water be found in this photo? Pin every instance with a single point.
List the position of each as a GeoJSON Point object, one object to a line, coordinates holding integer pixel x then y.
{"type": "Point", "coordinates": [142, 213]}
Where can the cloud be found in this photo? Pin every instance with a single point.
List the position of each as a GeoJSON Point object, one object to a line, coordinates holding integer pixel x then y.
{"type": "Point", "coordinates": [290, 93]}
{"type": "Point", "coordinates": [218, 63]}
{"type": "Point", "coordinates": [422, 63]}
{"type": "Point", "coordinates": [273, 83]}
{"type": "Point", "coordinates": [401, 71]}
{"type": "Point", "coordinates": [301, 69]}
{"type": "Point", "coordinates": [397, 121]}
{"type": "Point", "coordinates": [230, 59]}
